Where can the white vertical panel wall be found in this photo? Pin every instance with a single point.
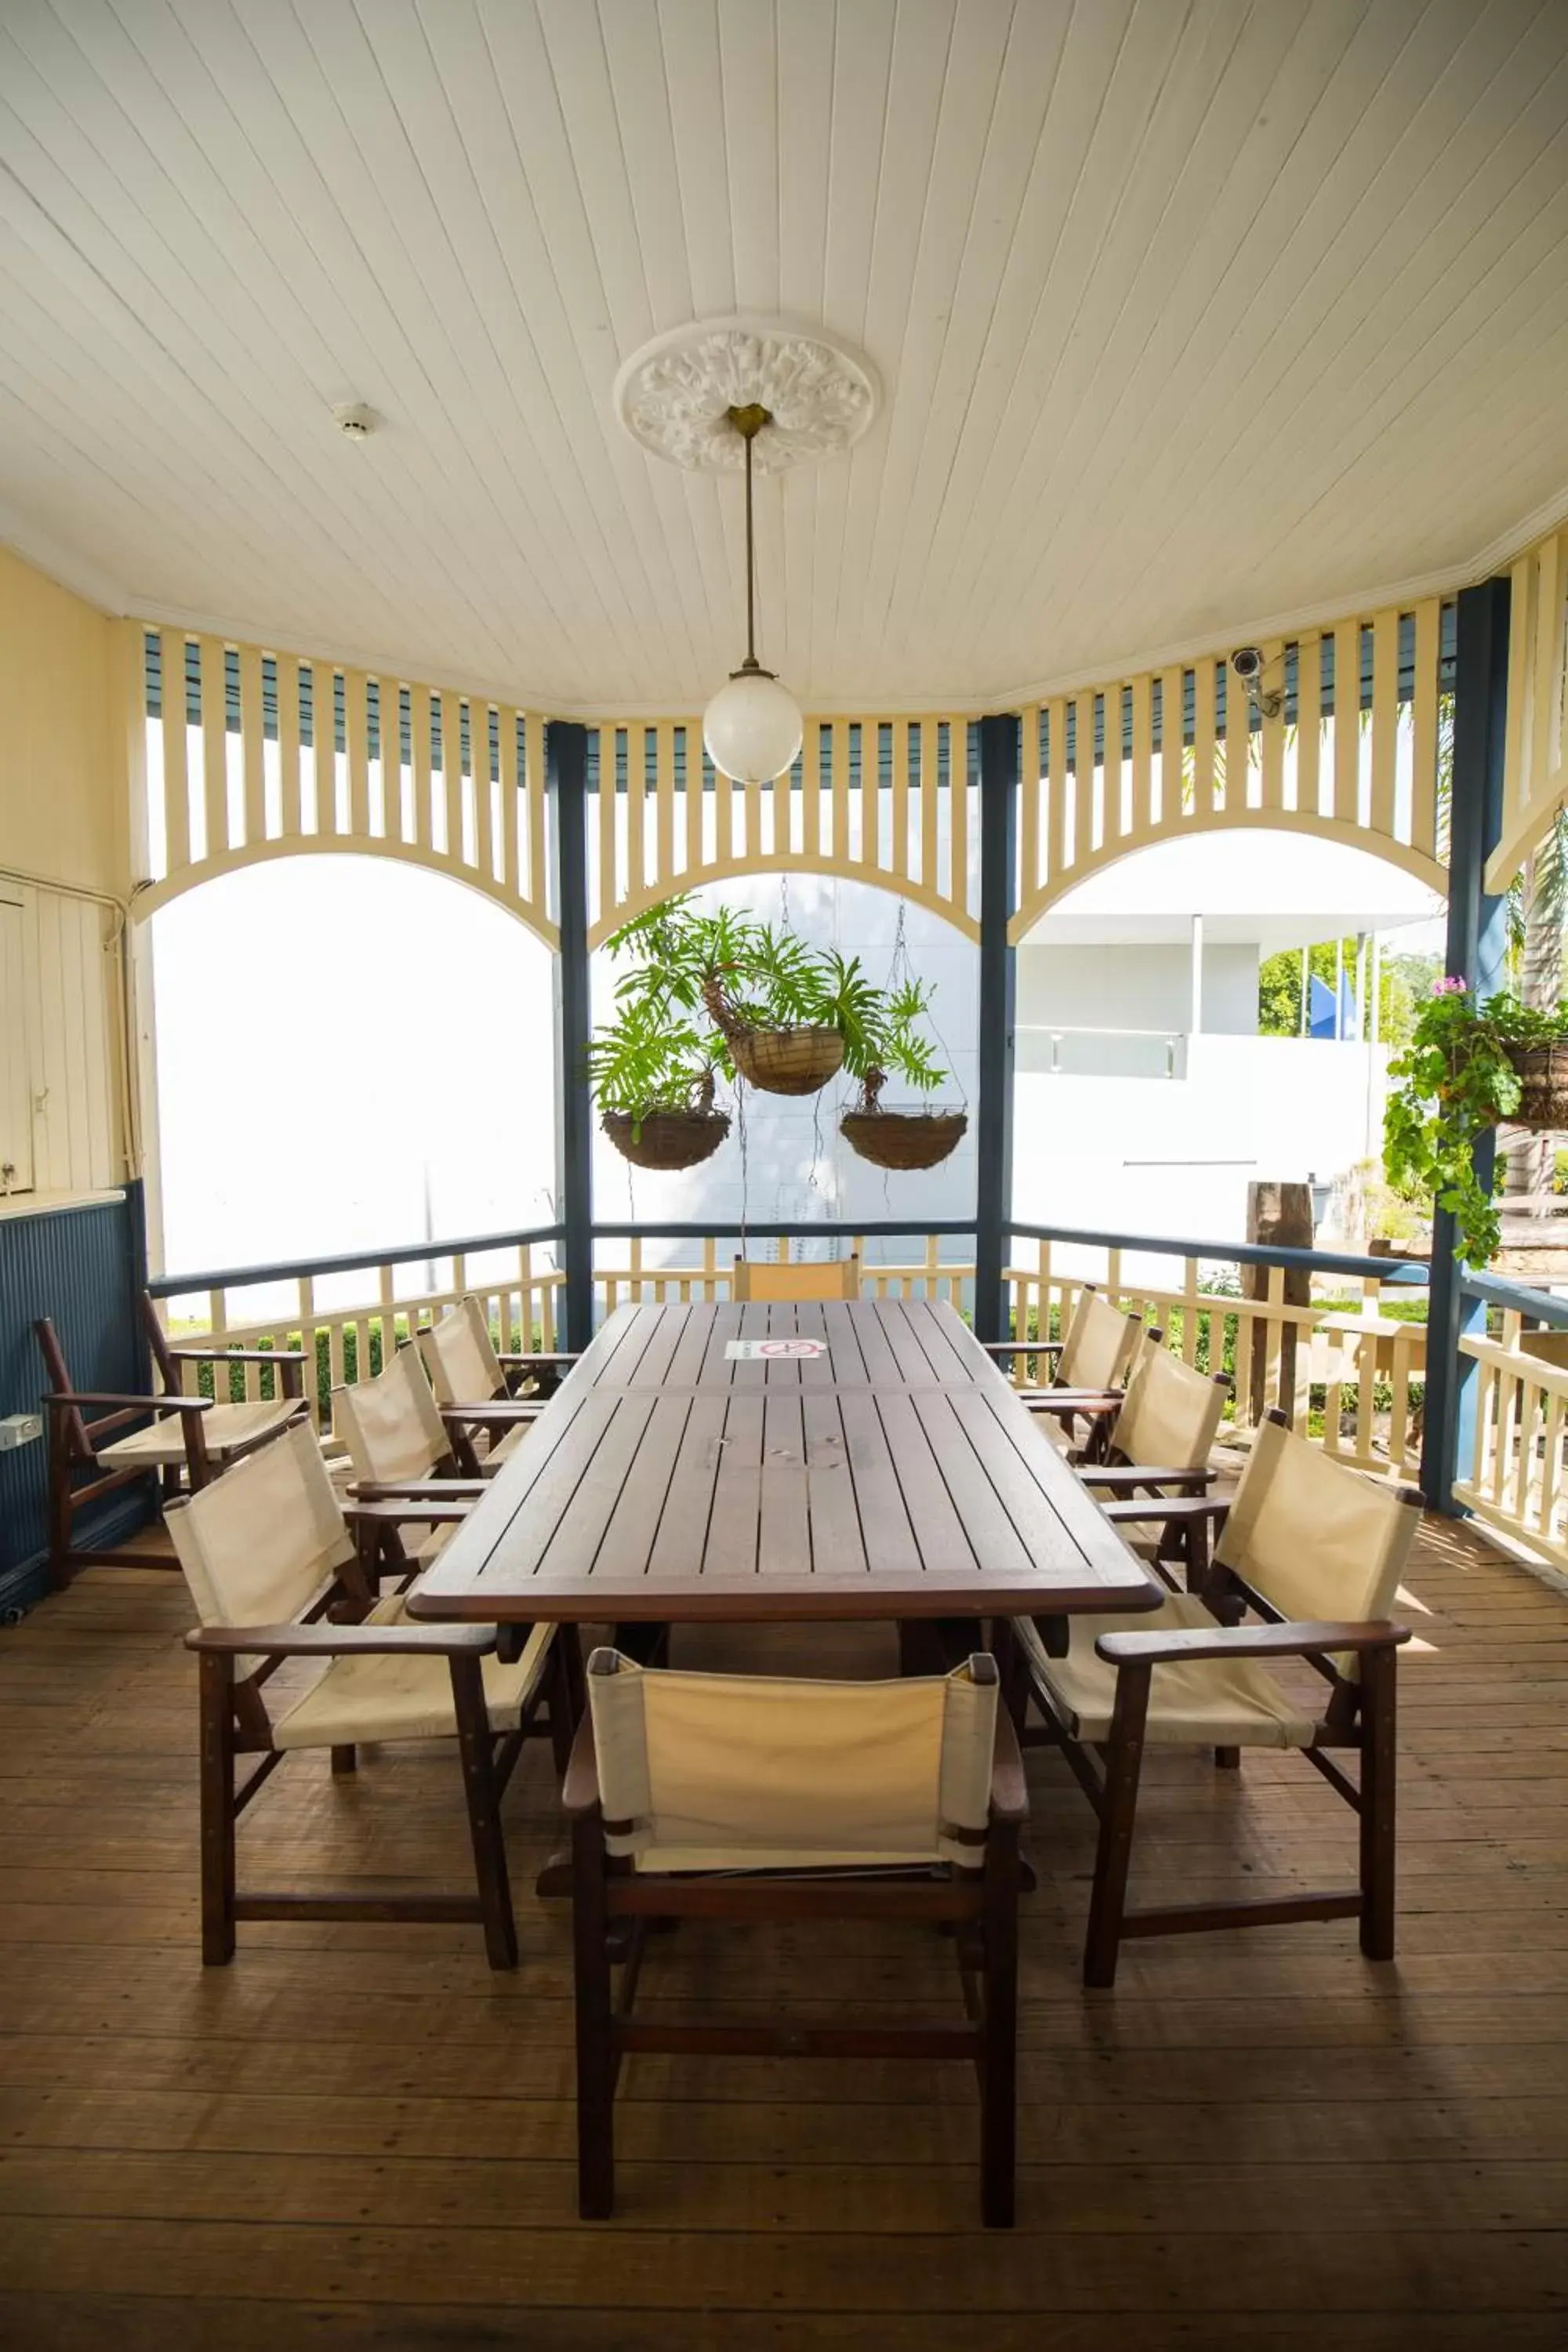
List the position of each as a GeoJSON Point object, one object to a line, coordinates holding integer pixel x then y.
{"type": "Point", "coordinates": [60, 1053]}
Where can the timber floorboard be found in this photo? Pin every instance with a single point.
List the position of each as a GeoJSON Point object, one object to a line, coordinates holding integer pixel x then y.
{"type": "Point", "coordinates": [357, 2139]}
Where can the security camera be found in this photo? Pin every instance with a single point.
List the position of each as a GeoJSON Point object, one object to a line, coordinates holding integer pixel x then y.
{"type": "Point", "coordinates": [1246, 661]}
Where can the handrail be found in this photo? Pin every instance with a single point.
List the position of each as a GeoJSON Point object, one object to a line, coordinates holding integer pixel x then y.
{"type": "Point", "coordinates": [1380, 1269]}
{"type": "Point", "coordinates": [241, 1277]}
{"type": "Point", "coordinates": [1409, 1271]}
{"type": "Point", "coordinates": [1516, 1298]}
{"type": "Point", "coordinates": [874, 1228]}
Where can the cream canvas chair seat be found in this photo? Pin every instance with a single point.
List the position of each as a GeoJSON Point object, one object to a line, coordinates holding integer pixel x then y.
{"type": "Point", "coordinates": [365, 1700]}
{"type": "Point", "coordinates": [1202, 1703]}
{"type": "Point", "coordinates": [265, 1552]}
{"type": "Point", "coordinates": [805, 1281]}
{"type": "Point", "coordinates": [226, 1430]}
{"type": "Point", "coordinates": [472, 1383]}
{"type": "Point", "coordinates": [1316, 1551]}
{"type": "Point", "coordinates": [748, 1797]}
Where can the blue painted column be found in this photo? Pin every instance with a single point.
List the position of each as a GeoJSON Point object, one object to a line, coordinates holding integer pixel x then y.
{"type": "Point", "coordinates": [999, 743]}
{"type": "Point", "coordinates": [1476, 950]}
{"type": "Point", "coordinates": [566, 778]}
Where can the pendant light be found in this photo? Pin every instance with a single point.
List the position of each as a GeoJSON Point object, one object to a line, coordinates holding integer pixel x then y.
{"type": "Point", "coordinates": [752, 727]}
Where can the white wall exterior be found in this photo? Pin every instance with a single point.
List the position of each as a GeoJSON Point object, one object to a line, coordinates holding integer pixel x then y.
{"type": "Point", "coordinates": [1124, 987]}
{"type": "Point", "coordinates": [1176, 1155]}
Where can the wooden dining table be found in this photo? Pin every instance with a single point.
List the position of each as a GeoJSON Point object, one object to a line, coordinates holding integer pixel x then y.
{"type": "Point", "coordinates": [771, 1461]}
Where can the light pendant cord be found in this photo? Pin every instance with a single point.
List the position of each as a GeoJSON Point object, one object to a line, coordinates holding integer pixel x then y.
{"type": "Point", "coordinates": [750, 568]}
{"type": "Point", "coordinates": [748, 423]}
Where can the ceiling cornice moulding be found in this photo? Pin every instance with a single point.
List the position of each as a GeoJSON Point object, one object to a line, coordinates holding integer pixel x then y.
{"type": "Point", "coordinates": [83, 578]}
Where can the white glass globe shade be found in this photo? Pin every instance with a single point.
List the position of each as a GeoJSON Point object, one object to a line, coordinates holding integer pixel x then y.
{"type": "Point", "coordinates": [753, 728]}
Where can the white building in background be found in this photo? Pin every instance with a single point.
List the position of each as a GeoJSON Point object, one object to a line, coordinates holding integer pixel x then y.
{"type": "Point", "coordinates": [1146, 1100]}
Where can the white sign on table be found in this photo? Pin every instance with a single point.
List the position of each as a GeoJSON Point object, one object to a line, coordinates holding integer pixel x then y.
{"type": "Point", "coordinates": [747, 1351]}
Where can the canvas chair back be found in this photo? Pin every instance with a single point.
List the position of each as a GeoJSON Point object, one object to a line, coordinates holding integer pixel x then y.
{"type": "Point", "coordinates": [391, 1426]}
{"type": "Point", "coordinates": [459, 1356]}
{"type": "Point", "coordinates": [1171, 1413]}
{"type": "Point", "coordinates": [753, 1772]}
{"type": "Point", "coordinates": [802, 1279]}
{"type": "Point", "coordinates": [257, 1545]}
{"type": "Point", "coordinates": [1318, 1540]}
{"type": "Point", "coordinates": [1098, 1345]}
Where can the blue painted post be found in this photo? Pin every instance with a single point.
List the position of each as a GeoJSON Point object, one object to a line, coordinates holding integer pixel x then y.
{"type": "Point", "coordinates": [567, 775]}
{"type": "Point", "coordinates": [1476, 948]}
{"type": "Point", "coordinates": [999, 746]}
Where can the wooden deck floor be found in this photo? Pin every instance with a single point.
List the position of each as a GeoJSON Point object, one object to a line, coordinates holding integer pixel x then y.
{"type": "Point", "coordinates": [359, 2137]}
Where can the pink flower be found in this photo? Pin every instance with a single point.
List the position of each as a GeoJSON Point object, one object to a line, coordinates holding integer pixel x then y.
{"type": "Point", "coordinates": [1453, 986]}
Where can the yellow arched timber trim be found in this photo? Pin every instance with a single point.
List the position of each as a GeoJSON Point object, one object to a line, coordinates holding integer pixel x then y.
{"type": "Point", "coordinates": [154, 895]}
{"type": "Point", "coordinates": [1417, 862]}
{"type": "Point", "coordinates": [877, 878]}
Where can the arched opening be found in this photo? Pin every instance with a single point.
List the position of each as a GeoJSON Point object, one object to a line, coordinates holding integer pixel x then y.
{"type": "Point", "coordinates": [1148, 1094]}
{"type": "Point", "coordinates": [350, 1050]}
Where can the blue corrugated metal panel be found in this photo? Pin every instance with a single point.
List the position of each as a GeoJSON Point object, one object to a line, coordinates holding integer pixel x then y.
{"type": "Point", "coordinates": [83, 1268]}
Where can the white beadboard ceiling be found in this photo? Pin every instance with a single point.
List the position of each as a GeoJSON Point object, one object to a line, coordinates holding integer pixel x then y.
{"type": "Point", "coordinates": [1187, 316]}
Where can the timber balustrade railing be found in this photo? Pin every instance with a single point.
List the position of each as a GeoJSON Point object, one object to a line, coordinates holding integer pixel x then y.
{"type": "Point", "coordinates": [1514, 1434]}
{"type": "Point", "coordinates": [1311, 1339]}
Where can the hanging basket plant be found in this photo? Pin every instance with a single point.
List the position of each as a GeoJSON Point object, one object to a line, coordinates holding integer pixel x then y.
{"type": "Point", "coordinates": [899, 1139]}
{"type": "Point", "coordinates": [785, 1018]}
{"type": "Point", "coordinates": [1470, 1069]}
{"type": "Point", "coordinates": [654, 1087]}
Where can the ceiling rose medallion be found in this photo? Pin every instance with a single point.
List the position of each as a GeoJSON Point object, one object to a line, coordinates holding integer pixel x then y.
{"type": "Point", "coordinates": [744, 393]}
{"type": "Point", "coordinates": [675, 395]}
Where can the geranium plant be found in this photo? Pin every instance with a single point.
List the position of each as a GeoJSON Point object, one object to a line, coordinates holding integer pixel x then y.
{"type": "Point", "coordinates": [1458, 1079]}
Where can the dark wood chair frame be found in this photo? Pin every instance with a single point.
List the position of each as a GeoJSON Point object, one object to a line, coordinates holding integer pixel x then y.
{"type": "Point", "coordinates": [1360, 1715]}
{"type": "Point", "coordinates": [1098, 1407]}
{"type": "Point", "coordinates": [234, 1725]}
{"type": "Point", "coordinates": [612, 1901]}
{"type": "Point", "coordinates": [75, 1444]}
{"type": "Point", "coordinates": [495, 1416]}
{"type": "Point", "coordinates": [1182, 1537]}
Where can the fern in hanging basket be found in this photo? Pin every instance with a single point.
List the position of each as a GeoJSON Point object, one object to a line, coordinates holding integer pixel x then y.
{"type": "Point", "coordinates": [653, 1081]}
{"type": "Point", "coordinates": [901, 1138]}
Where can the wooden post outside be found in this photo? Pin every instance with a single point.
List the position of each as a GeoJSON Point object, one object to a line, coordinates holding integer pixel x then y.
{"type": "Point", "coordinates": [1282, 1214]}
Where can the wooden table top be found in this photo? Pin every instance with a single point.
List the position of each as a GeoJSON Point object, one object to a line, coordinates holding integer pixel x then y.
{"type": "Point", "coordinates": [894, 1475]}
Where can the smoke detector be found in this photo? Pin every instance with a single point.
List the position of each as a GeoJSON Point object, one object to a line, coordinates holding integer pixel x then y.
{"type": "Point", "coordinates": [356, 422]}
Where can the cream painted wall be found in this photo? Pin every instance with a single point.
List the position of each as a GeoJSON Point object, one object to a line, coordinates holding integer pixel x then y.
{"type": "Point", "coordinates": [63, 799]}
{"type": "Point", "coordinates": [64, 863]}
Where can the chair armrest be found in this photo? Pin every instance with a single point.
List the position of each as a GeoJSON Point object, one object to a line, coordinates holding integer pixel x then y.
{"type": "Point", "coordinates": [344, 1641]}
{"type": "Point", "coordinates": [1170, 1507]}
{"type": "Point", "coordinates": [1088, 1401]}
{"type": "Point", "coordinates": [406, 1514]}
{"type": "Point", "coordinates": [580, 1789]}
{"type": "Point", "coordinates": [1009, 1790]}
{"type": "Point", "coordinates": [398, 1490]}
{"type": "Point", "coordinates": [500, 1413]}
{"type": "Point", "coordinates": [544, 1362]}
{"type": "Point", "coordinates": [1133, 1476]}
{"type": "Point", "coordinates": [1297, 1640]}
{"type": "Point", "coordinates": [1023, 1346]}
{"type": "Point", "coordinates": [131, 1404]}
{"type": "Point", "coordinates": [289, 1363]}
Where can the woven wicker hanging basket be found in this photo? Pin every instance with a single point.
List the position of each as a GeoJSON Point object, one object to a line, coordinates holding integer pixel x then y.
{"type": "Point", "coordinates": [667, 1138]}
{"type": "Point", "coordinates": [903, 1138]}
{"type": "Point", "coordinates": [1543, 1075]}
{"type": "Point", "coordinates": [786, 1061]}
